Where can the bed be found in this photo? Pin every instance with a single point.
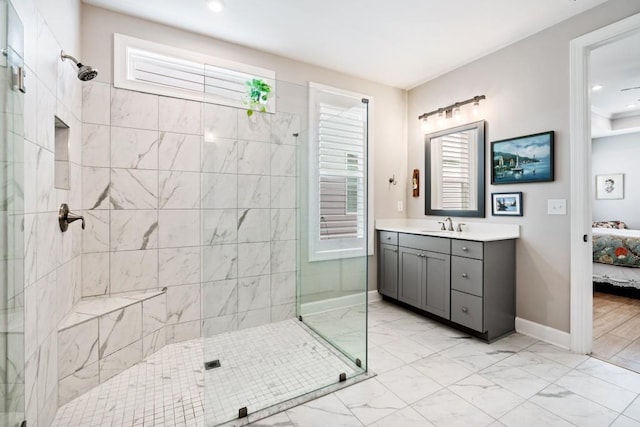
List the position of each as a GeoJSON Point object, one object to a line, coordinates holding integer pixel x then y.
{"type": "Point", "coordinates": [616, 254]}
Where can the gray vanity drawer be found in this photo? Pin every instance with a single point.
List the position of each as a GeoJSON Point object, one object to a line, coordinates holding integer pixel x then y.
{"type": "Point", "coordinates": [466, 275]}
{"type": "Point", "coordinates": [389, 237]}
{"type": "Point", "coordinates": [427, 243]}
{"type": "Point", "coordinates": [466, 310]}
{"type": "Point", "coordinates": [466, 248]}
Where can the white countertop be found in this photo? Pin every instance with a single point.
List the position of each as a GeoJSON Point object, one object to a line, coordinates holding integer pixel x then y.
{"type": "Point", "coordinates": [478, 231]}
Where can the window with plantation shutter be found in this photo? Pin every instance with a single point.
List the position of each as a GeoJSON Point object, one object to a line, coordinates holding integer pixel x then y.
{"type": "Point", "coordinates": [338, 132]}
{"type": "Point", "coordinates": [155, 68]}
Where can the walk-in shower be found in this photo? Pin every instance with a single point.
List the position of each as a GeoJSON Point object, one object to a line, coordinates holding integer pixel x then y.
{"type": "Point", "coordinates": [222, 272]}
{"type": "Point", "coordinates": [279, 259]}
{"type": "Point", "coordinates": [301, 245]}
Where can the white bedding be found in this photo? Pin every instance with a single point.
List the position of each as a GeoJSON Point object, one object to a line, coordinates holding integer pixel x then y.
{"type": "Point", "coordinates": [616, 232]}
{"type": "Point", "coordinates": [617, 276]}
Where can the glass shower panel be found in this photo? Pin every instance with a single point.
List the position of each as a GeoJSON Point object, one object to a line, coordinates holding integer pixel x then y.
{"type": "Point", "coordinates": [332, 274]}
{"type": "Point", "coordinates": [257, 352]}
{"type": "Point", "coordinates": [11, 219]}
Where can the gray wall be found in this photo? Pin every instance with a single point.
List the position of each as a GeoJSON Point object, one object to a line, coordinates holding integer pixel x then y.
{"type": "Point", "coordinates": [618, 154]}
{"type": "Point", "coordinates": [527, 89]}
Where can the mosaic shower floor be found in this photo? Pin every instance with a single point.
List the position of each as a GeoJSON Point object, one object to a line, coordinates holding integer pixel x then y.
{"type": "Point", "coordinates": [260, 367]}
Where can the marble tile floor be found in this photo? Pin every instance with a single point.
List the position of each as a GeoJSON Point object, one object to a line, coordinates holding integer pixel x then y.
{"type": "Point", "coordinates": [616, 330]}
{"type": "Point", "coordinates": [260, 367]}
{"type": "Point", "coordinates": [431, 375]}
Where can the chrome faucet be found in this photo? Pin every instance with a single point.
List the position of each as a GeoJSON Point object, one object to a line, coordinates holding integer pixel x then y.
{"type": "Point", "coordinates": [450, 226]}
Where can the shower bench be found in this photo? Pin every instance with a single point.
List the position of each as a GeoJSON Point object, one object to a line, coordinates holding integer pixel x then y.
{"type": "Point", "coordinates": [102, 336]}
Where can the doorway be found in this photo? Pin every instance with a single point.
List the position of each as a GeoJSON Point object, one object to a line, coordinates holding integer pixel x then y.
{"type": "Point", "coordinates": [582, 185]}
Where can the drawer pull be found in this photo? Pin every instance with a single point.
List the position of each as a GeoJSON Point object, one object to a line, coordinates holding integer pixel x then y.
{"type": "Point", "coordinates": [465, 275]}
{"type": "Point", "coordinates": [388, 237]}
{"type": "Point", "coordinates": [465, 249]}
{"type": "Point", "coordinates": [395, 250]}
{"type": "Point", "coordinates": [465, 310]}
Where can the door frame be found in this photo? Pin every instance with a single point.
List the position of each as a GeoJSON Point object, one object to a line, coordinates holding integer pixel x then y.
{"type": "Point", "coordinates": [581, 177]}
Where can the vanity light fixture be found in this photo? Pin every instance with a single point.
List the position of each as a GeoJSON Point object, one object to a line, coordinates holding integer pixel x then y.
{"type": "Point", "coordinates": [216, 5]}
{"type": "Point", "coordinates": [453, 110]}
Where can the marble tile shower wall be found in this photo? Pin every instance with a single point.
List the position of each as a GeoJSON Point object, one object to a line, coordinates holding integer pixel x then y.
{"type": "Point", "coordinates": [52, 259]}
{"type": "Point", "coordinates": [194, 197]}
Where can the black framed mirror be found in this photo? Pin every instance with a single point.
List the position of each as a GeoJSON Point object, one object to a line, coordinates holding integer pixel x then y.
{"type": "Point", "coordinates": [455, 171]}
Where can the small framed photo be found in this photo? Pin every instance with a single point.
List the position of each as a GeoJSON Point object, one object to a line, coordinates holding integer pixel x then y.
{"type": "Point", "coordinates": [506, 204]}
{"type": "Point", "coordinates": [610, 186]}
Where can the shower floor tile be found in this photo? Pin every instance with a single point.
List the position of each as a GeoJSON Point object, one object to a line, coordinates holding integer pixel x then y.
{"type": "Point", "coordinates": [260, 367]}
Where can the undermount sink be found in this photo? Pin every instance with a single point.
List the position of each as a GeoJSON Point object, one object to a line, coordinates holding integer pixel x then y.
{"type": "Point", "coordinates": [438, 231]}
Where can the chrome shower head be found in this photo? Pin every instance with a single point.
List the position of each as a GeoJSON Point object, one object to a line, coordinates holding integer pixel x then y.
{"type": "Point", "coordinates": [85, 72]}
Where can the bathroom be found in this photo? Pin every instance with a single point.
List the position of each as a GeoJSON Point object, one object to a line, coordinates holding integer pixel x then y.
{"type": "Point", "coordinates": [162, 182]}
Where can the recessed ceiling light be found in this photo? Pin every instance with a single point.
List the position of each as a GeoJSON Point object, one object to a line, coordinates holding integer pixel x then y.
{"type": "Point", "coordinates": [215, 5]}
{"type": "Point", "coordinates": [596, 88]}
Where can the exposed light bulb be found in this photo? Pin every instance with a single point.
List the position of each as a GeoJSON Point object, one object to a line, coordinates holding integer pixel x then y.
{"type": "Point", "coordinates": [215, 5]}
{"type": "Point", "coordinates": [457, 116]}
{"type": "Point", "coordinates": [596, 88]}
{"type": "Point", "coordinates": [425, 125]}
{"type": "Point", "coordinates": [476, 108]}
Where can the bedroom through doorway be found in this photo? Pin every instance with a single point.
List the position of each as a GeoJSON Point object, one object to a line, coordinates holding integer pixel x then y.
{"type": "Point", "coordinates": [615, 145]}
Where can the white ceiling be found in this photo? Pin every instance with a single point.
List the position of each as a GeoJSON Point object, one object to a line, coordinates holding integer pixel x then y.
{"type": "Point", "coordinates": [616, 66]}
{"type": "Point", "coordinates": [400, 43]}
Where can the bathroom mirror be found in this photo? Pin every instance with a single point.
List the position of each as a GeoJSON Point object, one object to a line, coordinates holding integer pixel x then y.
{"type": "Point", "coordinates": [454, 176]}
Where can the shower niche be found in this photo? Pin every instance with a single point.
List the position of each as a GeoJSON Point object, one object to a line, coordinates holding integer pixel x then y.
{"type": "Point", "coordinates": [61, 178]}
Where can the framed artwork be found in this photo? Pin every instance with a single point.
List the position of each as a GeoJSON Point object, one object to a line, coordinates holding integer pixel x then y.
{"type": "Point", "coordinates": [523, 159]}
{"type": "Point", "coordinates": [506, 204]}
{"type": "Point", "coordinates": [610, 186]}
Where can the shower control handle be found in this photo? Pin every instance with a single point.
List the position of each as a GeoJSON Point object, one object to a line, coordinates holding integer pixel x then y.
{"type": "Point", "coordinates": [66, 217]}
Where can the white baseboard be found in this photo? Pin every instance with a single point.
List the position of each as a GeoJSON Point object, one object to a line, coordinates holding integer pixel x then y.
{"type": "Point", "coordinates": [374, 296]}
{"type": "Point", "coordinates": [543, 333]}
{"type": "Point", "coordinates": [339, 302]}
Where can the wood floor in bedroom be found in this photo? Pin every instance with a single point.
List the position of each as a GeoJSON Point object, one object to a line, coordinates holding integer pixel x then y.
{"type": "Point", "coordinates": [616, 330]}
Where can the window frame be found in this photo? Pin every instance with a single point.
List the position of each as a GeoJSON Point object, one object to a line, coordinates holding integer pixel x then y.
{"type": "Point", "coordinates": [126, 47]}
{"type": "Point", "coordinates": [330, 249]}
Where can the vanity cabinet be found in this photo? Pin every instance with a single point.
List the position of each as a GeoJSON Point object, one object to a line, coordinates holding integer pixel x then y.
{"type": "Point", "coordinates": [388, 271]}
{"type": "Point", "coordinates": [468, 283]}
{"type": "Point", "coordinates": [424, 280]}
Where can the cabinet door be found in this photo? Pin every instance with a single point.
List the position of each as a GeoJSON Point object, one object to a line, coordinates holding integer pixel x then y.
{"type": "Point", "coordinates": [411, 280]}
{"type": "Point", "coordinates": [388, 279]}
{"type": "Point", "coordinates": [437, 296]}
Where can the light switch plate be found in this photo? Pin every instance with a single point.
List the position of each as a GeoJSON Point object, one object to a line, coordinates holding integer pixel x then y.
{"type": "Point", "coordinates": [557, 206]}
{"type": "Point", "coordinates": [400, 206]}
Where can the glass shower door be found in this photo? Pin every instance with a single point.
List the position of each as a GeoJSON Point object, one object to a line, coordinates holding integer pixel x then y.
{"type": "Point", "coordinates": [11, 219]}
{"type": "Point", "coordinates": [333, 240]}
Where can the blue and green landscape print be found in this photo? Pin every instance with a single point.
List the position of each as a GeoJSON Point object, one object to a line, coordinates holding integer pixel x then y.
{"type": "Point", "coordinates": [523, 159]}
